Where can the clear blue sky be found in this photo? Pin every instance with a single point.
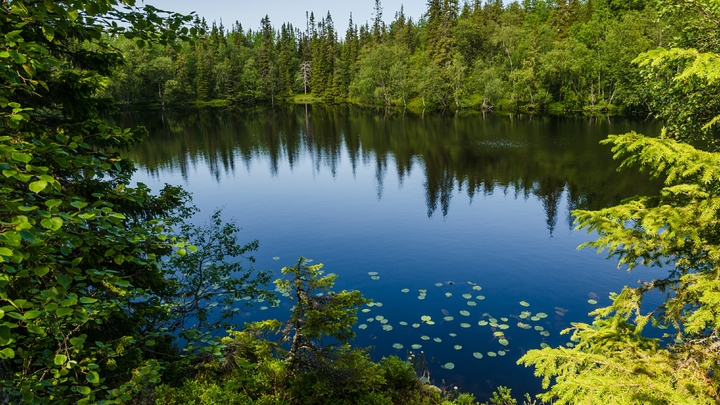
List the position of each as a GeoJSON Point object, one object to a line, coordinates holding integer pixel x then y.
{"type": "Point", "coordinates": [249, 13]}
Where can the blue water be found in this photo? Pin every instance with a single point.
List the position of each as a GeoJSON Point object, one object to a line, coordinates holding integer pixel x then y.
{"type": "Point", "coordinates": [342, 199]}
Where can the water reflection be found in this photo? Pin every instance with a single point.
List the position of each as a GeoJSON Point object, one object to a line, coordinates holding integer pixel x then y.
{"type": "Point", "coordinates": [479, 155]}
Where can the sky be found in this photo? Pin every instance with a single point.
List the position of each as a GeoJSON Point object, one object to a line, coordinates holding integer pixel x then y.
{"type": "Point", "coordinates": [249, 13]}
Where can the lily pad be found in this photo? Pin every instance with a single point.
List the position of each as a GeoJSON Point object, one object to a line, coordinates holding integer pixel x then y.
{"type": "Point", "coordinates": [263, 308]}
{"type": "Point", "coordinates": [480, 297]}
{"type": "Point", "coordinates": [276, 258]}
{"type": "Point", "coordinates": [504, 319]}
{"type": "Point", "coordinates": [398, 346]}
{"type": "Point", "coordinates": [362, 326]}
{"type": "Point", "coordinates": [371, 319]}
{"type": "Point", "coordinates": [534, 318]}
{"type": "Point", "coordinates": [448, 294]}
{"type": "Point", "coordinates": [544, 345]}
{"type": "Point", "coordinates": [439, 284]}
{"type": "Point", "coordinates": [372, 273]}
{"type": "Point", "coordinates": [425, 318]}
{"type": "Point", "coordinates": [378, 304]}
{"type": "Point", "coordinates": [541, 315]}
{"type": "Point", "coordinates": [471, 303]}
{"type": "Point", "coordinates": [498, 334]}
{"type": "Point", "coordinates": [482, 323]}
{"type": "Point", "coordinates": [465, 325]}
{"type": "Point", "coordinates": [478, 355]}
{"type": "Point", "coordinates": [379, 318]}
{"type": "Point", "coordinates": [503, 326]}
{"type": "Point", "coordinates": [438, 340]}
{"type": "Point", "coordinates": [452, 334]}
{"type": "Point", "coordinates": [592, 302]}
{"type": "Point", "coordinates": [421, 297]}
{"type": "Point", "coordinates": [477, 288]}
{"type": "Point", "coordinates": [545, 333]}
{"type": "Point", "coordinates": [430, 322]}
{"type": "Point", "coordinates": [524, 325]}
{"type": "Point", "coordinates": [525, 314]}
{"type": "Point", "coordinates": [465, 313]}
{"type": "Point", "coordinates": [425, 337]}
{"type": "Point", "coordinates": [501, 352]}
{"type": "Point", "coordinates": [416, 325]}
{"type": "Point", "coordinates": [416, 346]}
{"type": "Point", "coordinates": [492, 320]}
{"type": "Point", "coordinates": [467, 296]}
{"type": "Point", "coordinates": [422, 291]}
{"type": "Point", "coordinates": [449, 318]}
{"type": "Point", "coordinates": [492, 354]}
{"type": "Point", "coordinates": [405, 290]}
{"type": "Point", "coordinates": [402, 323]}
{"type": "Point", "coordinates": [503, 342]}
{"type": "Point", "coordinates": [539, 328]}
{"type": "Point", "coordinates": [384, 321]}
{"type": "Point", "coordinates": [449, 366]}
{"type": "Point", "coordinates": [457, 347]}
{"type": "Point", "coordinates": [524, 303]}
{"type": "Point", "coordinates": [570, 344]}
{"type": "Point", "coordinates": [365, 310]}
{"type": "Point", "coordinates": [387, 328]}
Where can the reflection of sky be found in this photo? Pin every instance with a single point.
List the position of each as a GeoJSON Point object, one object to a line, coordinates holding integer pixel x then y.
{"type": "Point", "coordinates": [500, 241]}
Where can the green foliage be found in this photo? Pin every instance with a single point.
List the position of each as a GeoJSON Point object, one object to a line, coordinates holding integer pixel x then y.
{"type": "Point", "coordinates": [208, 281]}
{"type": "Point", "coordinates": [677, 230]}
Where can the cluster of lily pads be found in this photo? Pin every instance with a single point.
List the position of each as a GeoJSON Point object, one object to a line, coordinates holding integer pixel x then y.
{"type": "Point", "coordinates": [526, 320]}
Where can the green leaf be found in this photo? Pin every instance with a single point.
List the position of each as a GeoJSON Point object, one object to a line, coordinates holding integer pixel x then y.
{"type": "Point", "coordinates": [32, 314]}
{"type": "Point", "coordinates": [41, 270]}
{"type": "Point", "coordinates": [53, 203]}
{"type": "Point", "coordinates": [93, 377]}
{"type": "Point", "coordinates": [60, 359]}
{"type": "Point", "coordinates": [64, 311]}
{"type": "Point", "coordinates": [5, 252]}
{"type": "Point", "coordinates": [87, 300]}
{"type": "Point", "coordinates": [48, 32]}
{"type": "Point", "coordinates": [38, 186]}
{"type": "Point", "coordinates": [84, 390]}
{"type": "Point", "coordinates": [53, 223]}
{"type": "Point", "coordinates": [7, 353]}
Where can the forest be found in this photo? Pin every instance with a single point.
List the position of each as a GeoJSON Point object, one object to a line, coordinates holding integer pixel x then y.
{"type": "Point", "coordinates": [110, 295]}
{"type": "Point", "coordinates": [536, 55]}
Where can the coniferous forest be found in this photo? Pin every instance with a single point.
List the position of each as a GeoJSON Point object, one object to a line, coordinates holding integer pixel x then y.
{"type": "Point", "coordinates": [535, 55]}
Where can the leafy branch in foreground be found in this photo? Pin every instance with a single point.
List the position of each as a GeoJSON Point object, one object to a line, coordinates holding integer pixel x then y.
{"type": "Point", "coordinates": [679, 229]}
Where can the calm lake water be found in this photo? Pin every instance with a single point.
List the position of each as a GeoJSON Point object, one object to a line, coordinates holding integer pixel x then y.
{"type": "Point", "coordinates": [470, 214]}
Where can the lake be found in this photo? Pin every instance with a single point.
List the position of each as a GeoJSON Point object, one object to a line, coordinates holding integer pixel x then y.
{"type": "Point", "coordinates": [465, 218]}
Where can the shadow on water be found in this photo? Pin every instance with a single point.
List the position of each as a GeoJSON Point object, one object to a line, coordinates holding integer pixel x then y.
{"type": "Point", "coordinates": [474, 153]}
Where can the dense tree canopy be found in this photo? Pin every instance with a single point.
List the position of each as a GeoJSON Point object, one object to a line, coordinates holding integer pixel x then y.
{"type": "Point", "coordinates": [534, 55]}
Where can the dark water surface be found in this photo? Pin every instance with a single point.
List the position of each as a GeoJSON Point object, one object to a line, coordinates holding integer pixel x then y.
{"type": "Point", "coordinates": [439, 203]}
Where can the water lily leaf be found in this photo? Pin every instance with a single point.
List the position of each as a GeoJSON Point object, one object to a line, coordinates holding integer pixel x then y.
{"type": "Point", "coordinates": [362, 326]}
{"type": "Point", "coordinates": [405, 290]}
{"type": "Point", "coordinates": [375, 278]}
{"type": "Point", "coordinates": [478, 355]}
{"type": "Point", "coordinates": [398, 346]}
{"type": "Point", "coordinates": [503, 342]}
{"type": "Point", "coordinates": [384, 321]}
{"type": "Point", "coordinates": [525, 314]}
{"type": "Point", "coordinates": [372, 273]}
{"type": "Point", "coordinates": [387, 328]}
{"type": "Point", "coordinates": [524, 303]}
{"type": "Point", "coordinates": [501, 352]}
{"type": "Point", "coordinates": [378, 304]}
{"type": "Point", "coordinates": [524, 325]}
{"type": "Point", "coordinates": [545, 333]}
{"type": "Point", "coordinates": [421, 297]}
{"type": "Point", "coordinates": [365, 310]}
{"type": "Point", "coordinates": [503, 326]}
{"type": "Point", "coordinates": [541, 315]}
{"type": "Point", "coordinates": [448, 366]}
{"type": "Point", "coordinates": [504, 319]}
{"type": "Point", "coordinates": [492, 354]}
{"type": "Point", "coordinates": [534, 318]}
{"type": "Point", "coordinates": [438, 340]}
{"type": "Point", "coordinates": [416, 325]}
{"type": "Point", "coordinates": [465, 313]}
{"type": "Point", "coordinates": [439, 284]}
{"type": "Point", "coordinates": [539, 328]}
{"type": "Point", "coordinates": [416, 346]}
{"type": "Point", "coordinates": [402, 323]}
{"type": "Point", "coordinates": [449, 318]}
{"type": "Point", "coordinates": [482, 323]}
{"type": "Point", "coordinates": [477, 288]}
{"type": "Point", "coordinates": [276, 258]}
{"type": "Point", "coordinates": [379, 318]}
{"type": "Point", "coordinates": [425, 318]}
{"type": "Point", "coordinates": [570, 344]}
{"type": "Point", "coordinates": [452, 334]}
{"type": "Point", "coordinates": [592, 302]}
{"type": "Point", "coordinates": [498, 334]}
{"type": "Point", "coordinates": [471, 303]}
{"type": "Point", "coordinates": [467, 296]}
{"type": "Point", "coordinates": [480, 297]}
{"type": "Point", "coordinates": [544, 345]}
{"type": "Point", "coordinates": [371, 319]}
{"type": "Point", "coordinates": [430, 322]}
{"type": "Point", "coordinates": [465, 325]}
{"type": "Point", "coordinates": [425, 337]}
{"type": "Point", "coordinates": [457, 347]}
{"type": "Point", "coordinates": [448, 294]}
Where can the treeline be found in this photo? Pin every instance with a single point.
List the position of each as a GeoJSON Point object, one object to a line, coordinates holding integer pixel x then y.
{"type": "Point", "coordinates": [556, 55]}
